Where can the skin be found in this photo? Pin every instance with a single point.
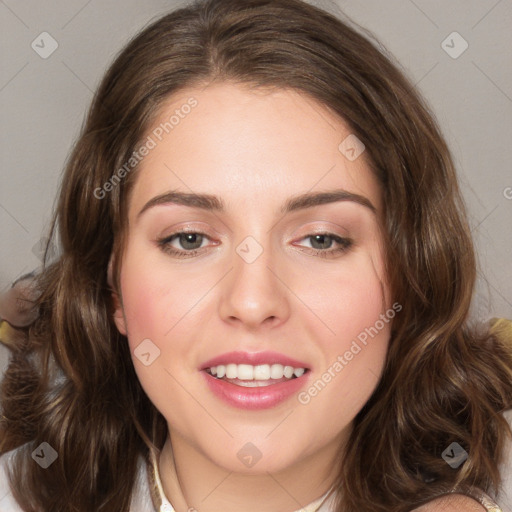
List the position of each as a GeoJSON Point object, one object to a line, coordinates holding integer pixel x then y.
{"type": "Point", "coordinates": [455, 503]}
{"type": "Point", "coordinates": [254, 149]}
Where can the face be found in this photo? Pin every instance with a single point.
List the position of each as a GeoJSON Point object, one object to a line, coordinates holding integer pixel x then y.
{"type": "Point", "coordinates": [283, 295]}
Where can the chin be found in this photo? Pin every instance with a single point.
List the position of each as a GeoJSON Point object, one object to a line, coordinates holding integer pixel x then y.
{"type": "Point", "coordinates": [258, 454]}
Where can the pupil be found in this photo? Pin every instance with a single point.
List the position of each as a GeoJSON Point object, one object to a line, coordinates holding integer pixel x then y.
{"type": "Point", "coordinates": [188, 238]}
{"type": "Point", "coordinates": [323, 243]}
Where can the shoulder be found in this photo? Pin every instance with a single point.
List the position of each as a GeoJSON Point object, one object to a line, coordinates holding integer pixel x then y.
{"type": "Point", "coordinates": [458, 502]}
{"type": "Point", "coordinates": [452, 503]}
{"type": "Point", "coordinates": [461, 503]}
{"type": "Point", "coordinates": [7, 501]}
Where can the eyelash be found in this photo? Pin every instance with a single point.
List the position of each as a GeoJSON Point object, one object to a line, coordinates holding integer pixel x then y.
{"type": "Point", "coordinates": [345, 245]}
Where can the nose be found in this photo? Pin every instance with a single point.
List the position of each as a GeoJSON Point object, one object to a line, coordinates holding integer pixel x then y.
{"type": "Point", "coordinates": [255, 292]}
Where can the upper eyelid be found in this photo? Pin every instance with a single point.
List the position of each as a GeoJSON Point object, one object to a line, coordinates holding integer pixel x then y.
{"type": "Point", "coordinates": [188, 228]}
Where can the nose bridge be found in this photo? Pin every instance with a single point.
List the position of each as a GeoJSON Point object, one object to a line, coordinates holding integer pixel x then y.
{"type": "Point", "coordinates": [254, 292]}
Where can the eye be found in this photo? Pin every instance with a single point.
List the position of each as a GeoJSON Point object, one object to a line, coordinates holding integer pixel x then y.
{"type": "Point", "coordinates": [190, 241]}
{"type": "Point", "coordinates": [324, 242]}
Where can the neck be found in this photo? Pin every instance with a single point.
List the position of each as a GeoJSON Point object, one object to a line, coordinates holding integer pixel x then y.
{"type": "Point", "coordinates": [191, 481]}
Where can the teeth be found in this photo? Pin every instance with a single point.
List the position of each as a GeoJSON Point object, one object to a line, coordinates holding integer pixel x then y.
{"type": "Point", "coordinates": [231, 371]}
{"type": "Point", "coordinates": [288, 372]}
{"type": "Point", "coordinates": [259, 372]}
{"type": "Point", "coordinates": [262, 372]}
{"type": "Point", "coordinates": [244, 371]}
{"type": "Point", "coordinates": [298, 372]}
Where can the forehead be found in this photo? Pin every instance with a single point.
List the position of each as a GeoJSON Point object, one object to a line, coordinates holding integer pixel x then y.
{"type": "Point", "coordinates": [251, 146]}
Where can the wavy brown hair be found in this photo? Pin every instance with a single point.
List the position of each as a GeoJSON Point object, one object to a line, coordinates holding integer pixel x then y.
{"type": "Point", "coordinates": [71, 380]}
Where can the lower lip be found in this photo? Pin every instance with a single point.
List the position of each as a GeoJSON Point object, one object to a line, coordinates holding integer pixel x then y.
{"type": "Point", "coordinates": [264, 397]}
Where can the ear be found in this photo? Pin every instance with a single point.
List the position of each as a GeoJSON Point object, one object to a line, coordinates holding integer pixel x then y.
{"type": "Point", "coordinates": [118, 315]}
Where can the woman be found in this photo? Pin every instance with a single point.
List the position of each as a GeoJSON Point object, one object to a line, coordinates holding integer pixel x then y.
{"type": "Point", "coordinates": [262, 295]}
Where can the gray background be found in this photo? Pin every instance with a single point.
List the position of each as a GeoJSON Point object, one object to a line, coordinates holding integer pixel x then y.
{"type": "Point", "coordinates": [43, 102]}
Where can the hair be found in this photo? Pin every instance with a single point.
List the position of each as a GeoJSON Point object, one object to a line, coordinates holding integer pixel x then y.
{"type": "Point", "coordinates": [71, 380]}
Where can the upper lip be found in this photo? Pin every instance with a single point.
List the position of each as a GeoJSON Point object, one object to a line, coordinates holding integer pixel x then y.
{"type": "Point", "coordinates": [252, 358]}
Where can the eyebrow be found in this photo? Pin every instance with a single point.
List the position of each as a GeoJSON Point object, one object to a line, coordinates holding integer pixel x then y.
{"type": "Point", "coordinates": [214, 203]}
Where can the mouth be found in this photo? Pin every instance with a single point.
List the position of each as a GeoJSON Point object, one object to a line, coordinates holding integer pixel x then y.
{"type": "Point", "coordinates": [254, 381]}
{"type": "Point", "coordinates": [262, 375]}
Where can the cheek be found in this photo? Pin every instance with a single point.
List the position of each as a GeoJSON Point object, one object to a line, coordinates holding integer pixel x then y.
{"type": "Point", "coordinates": [160, 306]}
{"type": "Point", "coordinates": [146, 298]}
{"type": "Point", "coordinates": [354, 307]}
{"type": "Point", "coordinates": [141, 303]}
{"type": "Point", "coordinates": [151, 295]}
{"type": "Point", "coordinates": [347, 299]}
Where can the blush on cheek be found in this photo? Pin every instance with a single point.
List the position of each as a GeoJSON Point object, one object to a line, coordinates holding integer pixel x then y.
{"type": "Point", "coordinates": [356, 305]}
{"type": "Point", "coordinates": [141, 312]}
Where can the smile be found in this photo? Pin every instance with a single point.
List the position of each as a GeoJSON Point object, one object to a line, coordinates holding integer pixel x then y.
{"type": "Point", "coordinates": [256, 386]}
{"type": "Point", "coordinates": [259, 373]}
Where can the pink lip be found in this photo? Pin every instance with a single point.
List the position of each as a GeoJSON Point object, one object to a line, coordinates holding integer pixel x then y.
{"type": "Point", "coordinates": [254, 398]}
{"type": "Point", "coordinates": [254, 359]}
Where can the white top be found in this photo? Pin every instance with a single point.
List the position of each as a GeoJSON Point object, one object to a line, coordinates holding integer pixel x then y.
{"type": "Point", "coordinates": [142, 501]}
